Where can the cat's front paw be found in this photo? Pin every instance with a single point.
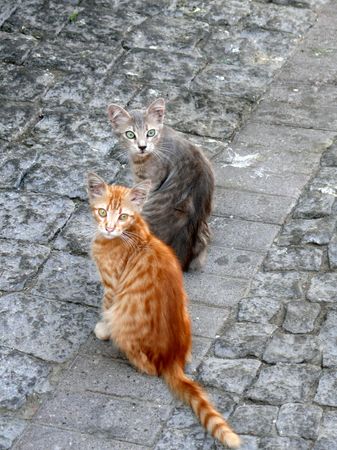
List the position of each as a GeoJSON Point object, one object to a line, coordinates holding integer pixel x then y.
{"type": "Point", "coordinates": [102, 331]}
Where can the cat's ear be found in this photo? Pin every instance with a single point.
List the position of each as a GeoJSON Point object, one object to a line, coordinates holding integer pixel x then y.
{"type": "Point", "coordinates": [156, 110]}
{"type": "Point", "coordinates": [138, 194]}
{"type": "Point", "coordinates": [117, 115]}
{"type": "Point", "coordinates": [96, 186]}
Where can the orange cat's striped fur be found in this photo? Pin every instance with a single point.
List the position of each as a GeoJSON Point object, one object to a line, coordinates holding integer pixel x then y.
{"type": "Point", "coordinates": [145, 305]}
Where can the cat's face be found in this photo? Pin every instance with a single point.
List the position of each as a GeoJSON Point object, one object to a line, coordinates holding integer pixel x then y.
{"type": "Point", "coordinates": [114, 207]}
{"type": "Point", "coordinates": [138, 131]}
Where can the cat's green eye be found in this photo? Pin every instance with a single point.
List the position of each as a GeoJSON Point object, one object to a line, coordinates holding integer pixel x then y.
{"type": "Point", "coordinates": [130, 134]}
{"type": "Point", "coordinates": [151, 133]}
{"type": "Point", "coordinates": [123, 217]}
{"type": "Point", "coordinates": [102, 212]}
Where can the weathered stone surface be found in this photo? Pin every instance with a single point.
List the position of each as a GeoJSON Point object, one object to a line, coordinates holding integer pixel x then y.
{"type": "Point", "coordinates": [325, 443]}
{"type": "Point", "coordinates": [25, 84]}
{"type": "Point", "coordinates": [329, 157]}
{"type": "Point", "coordinates": [15, 47]}
{"type": "Point", "coordinates": [325, 180]}
{"type": "Point", "coordinates": [284, 383]}
{"type": "Point", "coordinates": [69, 278]}
{"type": "Point", "coordinates": [116, 418]}
{"type": "Point", "coordinates": [328, 339]}
{"type": "Point", "coordinates": [242, 234]}
{"type": "Point", "coordinates": [301, 316]}
{"type": "Point", "coordinates": [289, 348]}
{"type": "Point", "coordinates": [78, 233]}
{"type": "Point", "coordinates": [296, 419]}
{"type": "Point", "coordinates": [310, 231]}
{"type": "Point", "coordinates": [259, 309]}
{"type": "Point", "coordinates": [314, 204]}
{"type": "Point", "coordinates": [214, 290]}
{"type": "Point", "coordinates": [294, 258]}
{"type": "Point", "coordinates": [10, 429]}
{"type": "Point", "coordinates": [40, 437]}
{"type": "Point", "coordinates": [323, 288]}
{"type": "Point", "coordinates": [106, 376]}
{"type": "Point", "coordinates": [49, 330]}
{"type": "Point", "coordinates": [32, 217]}
{"type": "Point", "coordinates": [327, 389]}
{"type": "Point", "coordinates": [327, 431]}
{"type": "Point", "coordinates": [297, 104]}
{"type": "Point", "coordinates": [207, 320]}
{"type": "Point", "coordinates": [258, 420]}
{"type": "Point", "coordinates": [278, 285]}
{"type": "Point", "coordinates": [21, 376]}
{"type": "Point", "coordinates": [15, 161]}
{"type": "Point", "coordinates": [231, 262]}
{"type": "Point", "coordinates": [251, 206]}
{"type": "Point", "coordinates": [229, 375]}
{"type": "Point", "coordinates": [242, 340]}
{"type": "Point", "coordinates": [283, 443]}
{"type": "Point", "coordinates": [332, 252]}
{"type": "Point", "coordinates": [65, 173]}
{"type": "Point", "coordinates": [73, 56]}
{"type": "Point", "coordinates": [19, 261]}
{"type": "Point", "coordinates": [13, 119]}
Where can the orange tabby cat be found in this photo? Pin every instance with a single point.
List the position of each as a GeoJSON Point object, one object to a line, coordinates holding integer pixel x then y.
{"type": "Point", "coordinates": [145, 305]}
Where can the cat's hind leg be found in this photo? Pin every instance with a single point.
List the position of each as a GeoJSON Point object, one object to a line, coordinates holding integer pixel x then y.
{"type": "Point", "coordinates": [141, 361]}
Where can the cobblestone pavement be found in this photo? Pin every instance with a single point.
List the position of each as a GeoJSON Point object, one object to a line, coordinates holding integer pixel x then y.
{"type": "Point", "coordinates": [254, 83]}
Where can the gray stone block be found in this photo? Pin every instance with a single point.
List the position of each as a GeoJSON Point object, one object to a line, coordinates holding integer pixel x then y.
{"type": "Point", "coordinates": [328, 424]}
{"type": "Point", "coordinates": [242, 234]}
{"type": "Point", "coordinates": [214, 290]}
{"type": "Point", "coordinates": [259, 180]}
{"type": "Point", "coordinates": [284, 143]}
{"type": "Point", "coordinates": [207, 320]}
{"type": "Point", "coordinates": [13, 120]}
{"type": "Point", "coordinates": [231, 262]}
{"type": "Point", "coordinates": [328, 339]}
{"type": "Point", "coordinates": [296, 419]}
{"type": "Point", "coordinates": [69, 278]}
{"type": "Point", "coordinates": [332, 252]}
{"type": "Point", "coordinates": [65, 174]}
{"type": "Point", "coordinates": [21, 376]}
{"type": "Point", "coordinates": [243, 340]}
{"type": "Point", "coordinates": [259, 309]}
{"type": "Point", "coordinates": [278, 285]}
{"type": "Point", "coordinates": [323, 288]}
{"type": "Point", "coordinates": [15, 47]}
{"type": "Point", "coordinates": [283, 443]}
{"type": "Point", "coordinates": [326, 391]}
{"type": "Point", "coordinates": [230, 375]}
{"type": "Point", "coordinates": [329, 157]}
{"type": "Point", "coordinates": [40, 437]}
{"type": "Point", "coordinates": [307, 231]}
{"type": "Point", "coordinates": [258, 420]}
{"type": "Point", "coordinates": [289, 348]}
{"type": "Point", "coordinates": [103, 375]}
{"type": "Point", "coordinates": [251, 206]}
{"type": "Point", "coordinates": [301, 316]}
{"type": "Point", "coordinates": [10, 429]}
{"type": "Point", "coordinates": [105, 415]}
{"type": "Point", "coordinates": [19, 262]}
{"type": "Point", "coordinates": [294, 258]}
{"type": "Point", "coordinates": [78, 233]}
{"type": "Point", "coordinates": [284, 383]}
{"type": "Point", "coordinates": [15, 161]}
{"type": "Point", "coordinates": [46, 329]}
{"type": "Point", "coordinates": [325, 443]}
{"type": "Point", "coordinates": [314, 204]}
{"type": "Point", "coordinates": [32, 217]}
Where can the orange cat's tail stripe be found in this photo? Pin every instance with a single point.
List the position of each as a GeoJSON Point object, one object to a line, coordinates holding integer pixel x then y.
{"type": "Point", "coordinates": [191, 393]}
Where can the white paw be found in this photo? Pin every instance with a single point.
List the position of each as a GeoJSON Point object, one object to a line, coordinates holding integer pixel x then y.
{"type": "Point", "coordinates": [102, 331]}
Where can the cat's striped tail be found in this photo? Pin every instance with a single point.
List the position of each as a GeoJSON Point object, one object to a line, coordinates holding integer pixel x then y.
{"type": "Point", "coordinates": [191, 393]}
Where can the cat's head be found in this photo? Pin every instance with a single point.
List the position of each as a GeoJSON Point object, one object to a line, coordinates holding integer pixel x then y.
{"type": "Point", "coordinates": [114, 207]}
{"type": "Point", "coordinates": [138, 131]}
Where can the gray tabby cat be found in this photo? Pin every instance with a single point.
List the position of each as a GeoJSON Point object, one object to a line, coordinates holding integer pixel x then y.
{"type": "Point", "coordinates": [182, 179]}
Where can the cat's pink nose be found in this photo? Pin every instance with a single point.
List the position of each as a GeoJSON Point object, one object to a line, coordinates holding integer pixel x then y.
{"type": "Point", "coordinates": [109, 230]}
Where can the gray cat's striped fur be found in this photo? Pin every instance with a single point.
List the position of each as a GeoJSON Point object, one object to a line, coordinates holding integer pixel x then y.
{"type": "Point", "coordinates": [180, 200]}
